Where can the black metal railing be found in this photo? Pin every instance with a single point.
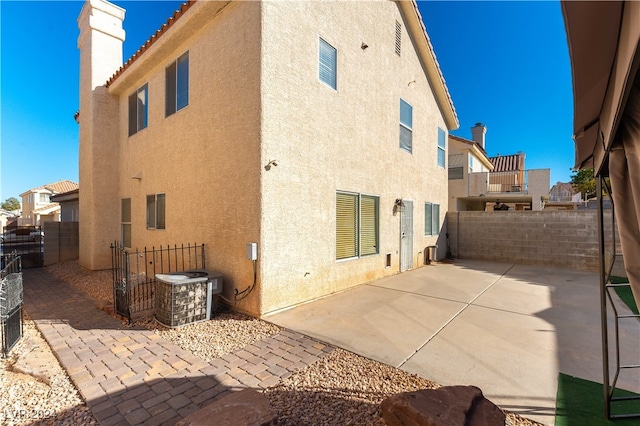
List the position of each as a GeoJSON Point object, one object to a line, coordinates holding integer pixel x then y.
{"type": "Point", "coordinates": [134, 274]}
{"type": "Point", "coordinates": [11, 299]}
{"type": "Point", "coordinates": [27, 241]}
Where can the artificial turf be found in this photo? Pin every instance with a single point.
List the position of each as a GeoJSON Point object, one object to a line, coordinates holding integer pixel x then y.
{"type": "Point", "coordinates": [580, 402]}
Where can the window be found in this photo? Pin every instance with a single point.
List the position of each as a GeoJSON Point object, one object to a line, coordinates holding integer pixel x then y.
{"type": "Point", "coordinates": [156, 211]}
{"type": "Point", "coordinates": [456, 173]}
{"type": "Point", "coordinates": [431, 219]}
{"type": "Point", "coordinates": [357, 230]}
{"type": "Point", "coordinates": [470, 164]}
{"type": "Point", "coordinates": [406, 126]}
{"type": "Point", "coordinates": [138, 110]}
{"type": "Point", "coordinates": [177, 85]}
{"type": "Point", "coordinates": [442, 147]}
{"type": "Point", "coordinates": [125, 219]}
{"type": "Point", "coordinates": [44, 198]}
{"type": "Point", "coordinates": [327, 62]}
{"type": "Point", "coordinates": [398, 37]}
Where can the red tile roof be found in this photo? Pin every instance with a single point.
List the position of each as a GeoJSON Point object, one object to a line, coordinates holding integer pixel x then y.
{"type": "Point", "coordinates": [172, 20]}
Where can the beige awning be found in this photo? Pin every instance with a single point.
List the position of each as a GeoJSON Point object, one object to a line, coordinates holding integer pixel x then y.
{"type": "Point", "coordinates": [603, 43]}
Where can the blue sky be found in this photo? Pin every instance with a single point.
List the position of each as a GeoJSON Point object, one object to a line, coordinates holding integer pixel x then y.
{"type": "Point", "coordinates": [506, 65]}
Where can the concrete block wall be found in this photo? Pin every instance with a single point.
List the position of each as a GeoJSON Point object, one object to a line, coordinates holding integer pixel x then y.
{"type": "Point", "coordinates": [567, 239]}
{"type": "Point", "coordinates": [61, 242]}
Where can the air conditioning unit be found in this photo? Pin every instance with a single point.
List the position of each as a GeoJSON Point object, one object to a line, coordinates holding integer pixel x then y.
{"type": "Point", "coordinates": [187, 297]}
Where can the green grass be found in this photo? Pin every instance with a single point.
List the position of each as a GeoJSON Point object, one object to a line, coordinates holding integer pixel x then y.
{"type": "Point", "coordinates": [625, 293]}
{"type": "Point", "coordinates": [581, 403]}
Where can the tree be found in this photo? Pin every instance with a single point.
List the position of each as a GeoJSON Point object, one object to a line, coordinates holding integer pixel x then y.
{"type": "Point", "coordinates": [583, 181]}
{"type": "Point", "coordinates": [10, 204]}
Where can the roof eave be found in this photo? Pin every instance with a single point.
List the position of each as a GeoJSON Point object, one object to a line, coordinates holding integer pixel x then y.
{"type": "Point", "coordinates": [418, 31]}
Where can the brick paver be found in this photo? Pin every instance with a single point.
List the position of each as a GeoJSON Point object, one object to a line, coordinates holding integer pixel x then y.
{"type": "Point", "coordinates": [132, 376]}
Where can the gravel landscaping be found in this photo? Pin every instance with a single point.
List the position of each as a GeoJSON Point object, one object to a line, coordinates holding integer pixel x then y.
{"type": "Point", "coordinates": [340, 389]}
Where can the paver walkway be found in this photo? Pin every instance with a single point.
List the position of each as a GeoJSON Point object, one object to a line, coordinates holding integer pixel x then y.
{"type": "Point", "coordinates": [133, 376]}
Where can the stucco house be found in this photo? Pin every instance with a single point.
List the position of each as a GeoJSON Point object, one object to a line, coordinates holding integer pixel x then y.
{"type": "Point", "coordinates": [317, 130]}
{"type": "Point", "coordinates": [478, 182]}
{"type": "Point", "coordinates": [563, 196]}
{"type": "Point", "coordinates": [37, 206]}
{"type": "Point", "coordinates": [69, 205]}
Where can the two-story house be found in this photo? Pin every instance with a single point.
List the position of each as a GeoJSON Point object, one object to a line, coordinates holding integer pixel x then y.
{"type": "Point", "coordinates": [37, 206]}
{"type": "Point", "coordinates": [317, 130]}
{"type": "Point", "coordinates": [481, 183]}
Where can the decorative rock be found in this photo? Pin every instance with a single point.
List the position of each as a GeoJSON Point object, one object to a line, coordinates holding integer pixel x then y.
{"type": "Point", "coordinates": [245, 408]}
{"type": "Point", "coordinates": [445, 406]}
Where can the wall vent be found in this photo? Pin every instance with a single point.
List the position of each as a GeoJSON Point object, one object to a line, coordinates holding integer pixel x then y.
{"type": "Point", "coordinates": [398, 37]}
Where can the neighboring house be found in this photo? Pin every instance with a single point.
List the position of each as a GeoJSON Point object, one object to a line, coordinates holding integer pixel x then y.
{"type": "Point", "coordinates": [37, 206]}
{"type": "Point", "coordinates": [563, 196]}
{"type": "Point", "coordinates": [465, 157]}
{"type": "Point", "coordinates": [479, 183]}
{"type": "Point", "coordinates": [6, 217]}
{"type": "Point", "coordinates": [69, 205]}
{"type": "Point", "coordinates": [317, 130]}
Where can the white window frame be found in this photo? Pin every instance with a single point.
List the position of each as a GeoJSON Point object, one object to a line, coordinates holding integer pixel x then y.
{"type": "Point", "coordinates": [177, 76]}
{"type": "Point", "coordinates": [359, 234]}
{"type": "Point", "coordinates": [327, 72]}
{"type": "Point", "coordinates": [139, 110]}
{"type": "Point", "coordinates": [407, 126]}
{"type": "Point", "coordinates": [442, 148]}
{"type": "Point", "coordinates": [431, 219]}
{"type": "Point", "coordinates": [125, 222]}
{"type": "Point", "coordinates": [156, 211]}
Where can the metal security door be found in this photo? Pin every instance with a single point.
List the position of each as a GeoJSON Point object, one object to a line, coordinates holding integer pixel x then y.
{"type": "Point", "coordinates": [406, 236]}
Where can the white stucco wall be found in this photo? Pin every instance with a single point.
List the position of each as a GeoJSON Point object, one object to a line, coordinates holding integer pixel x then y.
{"type": "Point", "coordinates": [206, 156]}
{"type": "Point", "coordinates": [254, 96]}
{"type": "Point", "coordinates": [347, 139]}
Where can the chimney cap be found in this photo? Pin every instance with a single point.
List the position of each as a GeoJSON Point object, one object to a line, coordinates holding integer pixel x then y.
{"type": "Point", "coordinates": [478, 124]}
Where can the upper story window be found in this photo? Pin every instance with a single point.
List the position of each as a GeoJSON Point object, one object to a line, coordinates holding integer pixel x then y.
{"type": "Point", "coordinates": [327, 63]}
{"type": "Point", "coordinates": [138, 110]}
{"type": "Point", "coordinates": [406, 126]}
{"type": "Point", "coordinates": [398, 37]}
{"type": "Point", "coordinates": [44, 198]}
{"type": "Point", "coordinates": [156, 211]}
{"type": "Point", "coordinates": [177, 85]}
{"type": "Point", "coordinates": [470, 163]}
{"type": "Point", "coordinates": [442, 147]}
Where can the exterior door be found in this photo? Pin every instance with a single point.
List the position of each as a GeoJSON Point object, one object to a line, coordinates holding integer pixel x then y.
{"type": "Point", "coordinates": [406, 236]}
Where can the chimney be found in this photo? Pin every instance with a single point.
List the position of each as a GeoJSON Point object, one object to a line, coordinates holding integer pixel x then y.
{"type": "Point", "coordinates": [100, 44]}
{"type": "Point", "coordinates": [478, 133]}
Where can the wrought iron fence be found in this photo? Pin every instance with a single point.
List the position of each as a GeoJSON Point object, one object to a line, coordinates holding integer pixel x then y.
{"type": "Point", "coordinates": [27, 241]}
{"type": "Point", "coordinates": [11, 298]}
{"type": "Point", "coordinates": [134, 274]}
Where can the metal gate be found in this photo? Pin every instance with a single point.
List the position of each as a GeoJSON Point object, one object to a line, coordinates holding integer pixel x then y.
{"type": "Point", "coordinates": [26, 241]}
{"type": "Point", "coordinates": [406, 236]}
{"type": "Point", "coordinates": [134, 274]}
{"type": "Point", "coordinates": [11, 297]}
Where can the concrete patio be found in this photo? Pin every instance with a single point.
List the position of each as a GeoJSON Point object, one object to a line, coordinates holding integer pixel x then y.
{"type": "Point", "coordinates": [508, 329]}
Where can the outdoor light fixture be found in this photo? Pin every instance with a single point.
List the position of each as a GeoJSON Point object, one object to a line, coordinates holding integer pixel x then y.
{"type": "Point", "coordinates": [364, 45]}
{"type": "Point", "coordinates": [273, 163]}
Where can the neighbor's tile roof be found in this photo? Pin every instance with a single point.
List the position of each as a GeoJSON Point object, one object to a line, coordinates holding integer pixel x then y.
{"type": "Point", "coordinates": [56, 187]}
{"type": "Point", "coordinates": [508, 163]}
{"type": "Point", "coordinates": [469, 142]}
{"type": "Point", "coordinates": [62, 186]}
{"type": "Point", "coordinates": [48, 209]}
{"type": "Point", "coordinates": [172, 20]}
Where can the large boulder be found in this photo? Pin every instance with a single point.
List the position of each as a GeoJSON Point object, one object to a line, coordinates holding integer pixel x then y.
{"type": "Point", "coordinates": [445, 406]}
{"type": "Point", "coordinates": [245, 408]}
